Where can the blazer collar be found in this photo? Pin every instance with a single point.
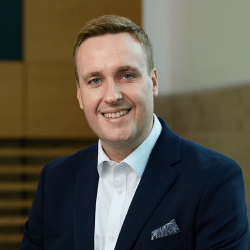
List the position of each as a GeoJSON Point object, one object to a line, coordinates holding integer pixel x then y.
{"type": "Point", "coordinates": [156, 181]}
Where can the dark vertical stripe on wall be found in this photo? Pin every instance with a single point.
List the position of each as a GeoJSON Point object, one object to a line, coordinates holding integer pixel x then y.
{"type": "Point", "coordinates": [10, 29]}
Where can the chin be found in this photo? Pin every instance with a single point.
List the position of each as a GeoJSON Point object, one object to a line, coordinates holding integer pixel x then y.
{"type": "Point", "coordinates": [117, 139]}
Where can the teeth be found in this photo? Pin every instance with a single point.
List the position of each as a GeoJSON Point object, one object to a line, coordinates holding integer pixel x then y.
{"type": "Point", "coordinates": [116, 115]}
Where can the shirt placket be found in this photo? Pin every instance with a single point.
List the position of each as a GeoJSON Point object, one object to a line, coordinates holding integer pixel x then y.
{"type": "Point", "coordinates": [114, 220]}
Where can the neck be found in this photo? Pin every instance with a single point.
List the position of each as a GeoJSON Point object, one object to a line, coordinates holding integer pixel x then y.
{"type": "Point", "coordinates": [117, 154]}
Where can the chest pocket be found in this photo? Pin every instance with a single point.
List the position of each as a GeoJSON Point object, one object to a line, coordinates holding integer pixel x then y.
{"type": "Point", "coordinates": [177, 241]}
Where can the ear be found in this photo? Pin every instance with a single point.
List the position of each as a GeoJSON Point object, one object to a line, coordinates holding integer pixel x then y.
{"type": "Point", "coordinates": [79, 96]}
{"type": "Point", "coordinates": [155, 82]}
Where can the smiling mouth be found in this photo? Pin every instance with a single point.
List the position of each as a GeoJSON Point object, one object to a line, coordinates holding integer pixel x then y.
{"type": "Point", "coordinates": [116, 114]}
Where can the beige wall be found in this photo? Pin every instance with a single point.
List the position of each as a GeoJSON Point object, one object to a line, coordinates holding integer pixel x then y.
{"type": "Point", "coordinates": [219, 120]}
{"type": "Point", "coordinates": [38, 94]}
{"type": "Point", "coordinates": [203, 45]}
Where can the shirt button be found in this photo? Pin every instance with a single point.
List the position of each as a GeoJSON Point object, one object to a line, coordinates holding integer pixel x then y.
{"type": "Point", "coordinates": [112, 239]}
{"type": "Point", "coordinates": [119, 191]}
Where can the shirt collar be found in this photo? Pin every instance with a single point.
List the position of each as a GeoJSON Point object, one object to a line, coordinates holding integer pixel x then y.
{"type": "Point", "coordinates": [138, 159]}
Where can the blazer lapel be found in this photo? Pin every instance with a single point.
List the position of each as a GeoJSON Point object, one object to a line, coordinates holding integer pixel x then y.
{"type": "Point", "coordinates": [85, 201]}
{"type": "Point", "coordinates": [156, 181]}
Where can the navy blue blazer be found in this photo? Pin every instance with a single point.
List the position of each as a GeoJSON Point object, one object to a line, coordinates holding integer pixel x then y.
{"type": "Point", "coordinates": [199, 188]}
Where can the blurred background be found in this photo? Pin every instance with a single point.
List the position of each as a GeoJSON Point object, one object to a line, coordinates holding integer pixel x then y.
{"type": "Point", "coordinates": [202, 57]}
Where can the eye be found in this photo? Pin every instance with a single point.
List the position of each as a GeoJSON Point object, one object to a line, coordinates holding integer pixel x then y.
{"type": "Point", "coordinates": [95, 81]}
{"type": "Point", "coordinates": [128, 76]}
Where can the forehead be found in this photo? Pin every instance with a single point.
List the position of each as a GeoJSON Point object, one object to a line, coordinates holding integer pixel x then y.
{"type": "Point", "coordinates": [111, 50]}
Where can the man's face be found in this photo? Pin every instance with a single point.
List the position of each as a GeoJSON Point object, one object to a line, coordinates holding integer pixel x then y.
{"type": "Point", "coordinates": [115, 90]}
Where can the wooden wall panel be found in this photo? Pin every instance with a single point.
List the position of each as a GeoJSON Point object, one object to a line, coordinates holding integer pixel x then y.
{"type": "Point", "coordinates": [11, 100]}
{"type": "Point", "coordinates": [50, 30]}
{"type": "Point", "coordinates": [245, 95]}
{"type": "Point", "coordinates": [51, 26]}
{"type": "Point", "coordinates": [163, 108]}
{"type": "Point", "coordinates": [53, 109]}
{"type": "Point", "coordinates": [218, 110]}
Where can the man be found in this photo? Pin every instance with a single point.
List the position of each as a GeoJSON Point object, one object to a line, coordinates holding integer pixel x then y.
{"type": "Point", "coordinates": [141, 186]}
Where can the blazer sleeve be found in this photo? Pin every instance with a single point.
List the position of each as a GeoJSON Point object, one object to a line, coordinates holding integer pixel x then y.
{"type": "Point", "coordinates": [222, 221]}
{"type": "Point", "coordinates": [33, 231]}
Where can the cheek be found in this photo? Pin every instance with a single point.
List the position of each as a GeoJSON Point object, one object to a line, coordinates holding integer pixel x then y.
{"type": "Point", "coordinates": [90, 100]}
{"type": "Point", "coordinates": [144, 98]}
{"type": "Point", "coordinates": [88, 107]}
{"type": "Point", "coordinates": [143, 109]}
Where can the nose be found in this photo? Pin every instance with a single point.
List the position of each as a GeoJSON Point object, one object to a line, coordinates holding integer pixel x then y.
{"type": "Point", "coordinates": [112, 93]}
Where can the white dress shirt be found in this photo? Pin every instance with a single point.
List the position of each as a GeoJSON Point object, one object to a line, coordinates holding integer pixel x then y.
{"type": "Point", "coordinates": [116, 189]}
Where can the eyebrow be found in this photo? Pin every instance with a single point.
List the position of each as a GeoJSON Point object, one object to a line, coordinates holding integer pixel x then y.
{"type": "Point", "coordinates": [126, 68]}
{"type": "Point", "coordinates": [119, 70]}
{"type": "Point", "coordinates": [91, 74]}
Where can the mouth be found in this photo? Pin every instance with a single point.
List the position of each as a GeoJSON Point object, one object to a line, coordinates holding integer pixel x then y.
{"type": "Point", "coordinates": [116, 114]}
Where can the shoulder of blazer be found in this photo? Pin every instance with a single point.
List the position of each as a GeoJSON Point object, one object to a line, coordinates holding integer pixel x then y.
{"type": "Point", "coordinates": [74, 162]}
{"type": "Point", "coordinates": [174, 149]}
{"type": "Point", "coordinates": [195, 152]}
